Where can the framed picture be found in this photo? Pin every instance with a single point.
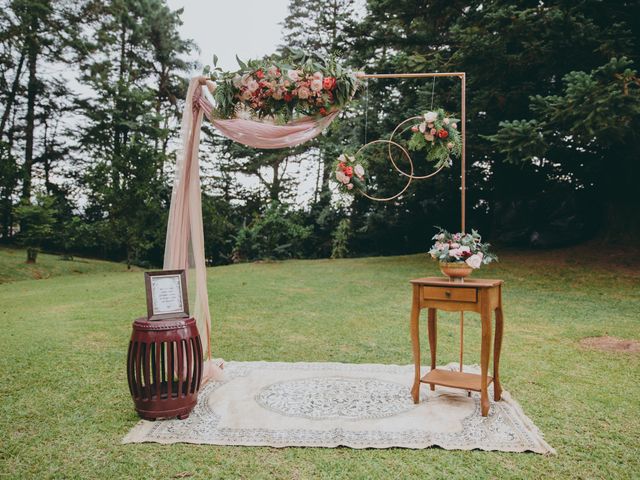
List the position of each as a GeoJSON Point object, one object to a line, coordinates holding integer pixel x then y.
{"type": "Point", "coordinates": [166, 294]}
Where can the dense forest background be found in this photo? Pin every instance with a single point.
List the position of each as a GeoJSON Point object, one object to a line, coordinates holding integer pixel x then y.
{"type": "Point", "coordinates": [91, 95]}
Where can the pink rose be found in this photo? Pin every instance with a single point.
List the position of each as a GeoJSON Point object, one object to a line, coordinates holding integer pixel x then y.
{"type": "Point", "coordinates": [274, 71]}
{"type": "Point", "coordinates": [252, 85]}
{"type": "Point", "coordinates": [293, 75]}
{"type": "Point", "coordinates": [454, 126]}
{"type": "Point", "coordinates": [303, 93]}
{"type": "Point", "coordinates": [317, 76]}
{"type": "Point", "coordinates": [349, 186]}
{"type": "Point", "coordinates": [433, 131]}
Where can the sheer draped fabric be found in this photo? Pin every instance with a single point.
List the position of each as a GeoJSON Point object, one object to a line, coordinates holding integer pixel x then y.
{"type": "Point", "coordinates": [184, 246]}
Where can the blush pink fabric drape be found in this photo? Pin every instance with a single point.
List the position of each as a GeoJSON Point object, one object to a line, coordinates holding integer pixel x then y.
{"type": "Point", "coordinates": [185, 238]}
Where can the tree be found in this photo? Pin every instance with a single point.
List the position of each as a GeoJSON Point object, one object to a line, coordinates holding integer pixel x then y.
{"type": "Point", "coordinates": [132, 64]}
{"type": "Point", "coordinates": [37, 222]}
{"type": "Point", "coordinates": [588, 136]}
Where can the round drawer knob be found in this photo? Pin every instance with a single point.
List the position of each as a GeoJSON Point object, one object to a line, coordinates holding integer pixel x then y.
{"type": "Point", "coordinates": [447, 294]}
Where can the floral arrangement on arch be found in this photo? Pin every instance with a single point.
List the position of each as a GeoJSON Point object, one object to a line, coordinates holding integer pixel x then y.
{"type": "Point", "coordinates": [438, 134]}
{"type": "Point", "coordinates": [282, 87]}
{"type": "Point", "coordinates": [350, 172]}
{"type": "Point", "coordinates": [461, 247]}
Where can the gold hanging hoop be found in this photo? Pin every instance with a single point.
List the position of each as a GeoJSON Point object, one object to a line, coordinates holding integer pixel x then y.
{"type": "Point", "coordinates": [410, 177]}
{"type": "Point", "coordinates": [400, 171]}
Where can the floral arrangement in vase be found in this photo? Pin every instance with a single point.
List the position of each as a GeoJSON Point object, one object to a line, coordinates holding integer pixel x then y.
{"type": "Point", "coordinates": [438, 134]}
{"type": "Point", "coordinates": [349, 172]}
{"type": "Point", "coordinates": [281, 87]}
{"type": "Point", "coordinates": [460, 253]}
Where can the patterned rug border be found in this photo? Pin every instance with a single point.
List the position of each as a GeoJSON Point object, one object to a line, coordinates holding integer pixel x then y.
{"type": "Point", "coordinates": [141, 432]}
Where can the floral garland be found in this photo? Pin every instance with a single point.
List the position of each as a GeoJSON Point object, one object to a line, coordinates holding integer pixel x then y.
{"type": "Point", "coordinates": [349, 173]}
{"type": "Point", "coordinates": [437, 134]}
{"type": "Point", "coordinates": [282, 87]}
{"type": "Point", "coordinates": [461, 247]}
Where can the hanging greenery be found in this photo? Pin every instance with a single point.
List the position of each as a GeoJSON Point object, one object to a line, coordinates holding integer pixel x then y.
{"type": "Point", "coordinates": [282, 87]}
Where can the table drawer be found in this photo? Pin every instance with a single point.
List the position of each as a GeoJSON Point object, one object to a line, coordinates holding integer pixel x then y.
{"type": "Point", "coordinates": [456, 294]}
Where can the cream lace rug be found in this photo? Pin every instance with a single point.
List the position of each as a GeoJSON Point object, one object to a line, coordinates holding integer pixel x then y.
{"type": "Point", "coordinates": [337, 404]}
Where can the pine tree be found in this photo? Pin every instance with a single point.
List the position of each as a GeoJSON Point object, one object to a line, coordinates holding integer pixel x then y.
{"type": "Point", "coordinates": [133, 66]}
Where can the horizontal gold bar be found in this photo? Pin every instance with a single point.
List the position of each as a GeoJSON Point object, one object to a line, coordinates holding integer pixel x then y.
{"type": "Point", "coordinates": [409, 75]}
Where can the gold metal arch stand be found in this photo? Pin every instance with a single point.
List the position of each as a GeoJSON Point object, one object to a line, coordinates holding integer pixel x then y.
{"type": "Point", "coordinates": [463, 168]}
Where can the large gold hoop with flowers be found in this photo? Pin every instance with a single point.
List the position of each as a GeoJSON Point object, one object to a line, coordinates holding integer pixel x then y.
{"type": "Point", "coordinates": [409, 177]}
{"type": "Point", "coordinates": [398, 169]}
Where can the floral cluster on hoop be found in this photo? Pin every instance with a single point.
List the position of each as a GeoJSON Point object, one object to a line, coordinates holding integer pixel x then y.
{"type": "Point", "coordinates": [438, 134]}
{"type": "Point", "coordinates": [461, 247]}
{"type": "Point", "coordinates": [282, 86]}
{"type": "Point", "coordinates": [349, 173]}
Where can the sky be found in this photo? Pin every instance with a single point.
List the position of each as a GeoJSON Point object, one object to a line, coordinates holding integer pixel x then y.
{"type": "Point", "coordinates": [248, 28]}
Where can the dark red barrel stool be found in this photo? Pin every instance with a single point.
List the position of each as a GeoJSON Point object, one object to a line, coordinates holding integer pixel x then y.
{"type": "Point", "coordinates": [164, 367]}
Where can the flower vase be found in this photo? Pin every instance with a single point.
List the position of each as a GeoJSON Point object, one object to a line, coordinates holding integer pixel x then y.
{"type": "Point", "coordinates": [456, 271]}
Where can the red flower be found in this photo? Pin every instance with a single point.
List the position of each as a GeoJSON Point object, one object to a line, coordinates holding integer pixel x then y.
{"type": "Point", "coordinates": [342, 166]}
{"type": "Point", "coordinates": [323, 112]}
{"type": "Point", "coordinates": [442, 133]}
{"type": "Point", "coordinates": [260, 74]}
{"type": "Point", "coordinates": [466, 254]}
{"type": "Point", "coordinates": [288, 97]}
{"type": "Point", "coordinates": [348, 171]}
{"type": "Point", "coordinates": [329, 83]}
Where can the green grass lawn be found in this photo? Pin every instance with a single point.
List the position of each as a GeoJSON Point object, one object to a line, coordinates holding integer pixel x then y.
{"type": "Point", "coordinates": [65, 404]}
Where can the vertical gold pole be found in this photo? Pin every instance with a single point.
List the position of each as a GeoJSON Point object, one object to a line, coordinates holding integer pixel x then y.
{"type": "Point", "coordinates": [461, 338]}
{"type": "Point", "coordinates": [463, 185]}
{"type": "Point", "coordinates": [463, 132]}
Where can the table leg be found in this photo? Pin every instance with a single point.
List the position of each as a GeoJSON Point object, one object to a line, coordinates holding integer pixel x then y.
{"type": "Point", "coordinates": [497, 346]}
{"type": "Point", "coordinates": [433, 339]}
{"type": "Point", "coordinates": [415, 340]}
{"type": "Point", "coordinates": [485, 351]}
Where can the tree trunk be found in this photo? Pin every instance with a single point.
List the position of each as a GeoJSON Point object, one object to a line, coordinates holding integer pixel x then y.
{"type": "Point", "coordinates": [32, 59]}
{"type": "Point", "coordinates": [12, 94]}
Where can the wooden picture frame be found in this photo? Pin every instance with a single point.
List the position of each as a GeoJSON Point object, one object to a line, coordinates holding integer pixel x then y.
{"type": "Point", "coordinates": [166, 294]}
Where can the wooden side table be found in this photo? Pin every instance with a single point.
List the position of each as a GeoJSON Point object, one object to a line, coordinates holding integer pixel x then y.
{"type": "Point", "coordinates": [472, 295]}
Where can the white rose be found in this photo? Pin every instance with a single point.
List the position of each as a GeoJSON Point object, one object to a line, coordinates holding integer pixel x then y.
{"type": "Point", "coordinates": [237, 81]}
{"type": "Point", "coordinates": [359, 170]}
{"type": "Point", "coordinates": [422, 127]}
{"type": "Point", "coordinates": [318, 76]}
{"type": "Point", "coordinates": [342, 158]}
{"type": "Point", "coordinates": [316, 85]}
{"type": "Point", "coordinates": [445, 121]}
{"type": "Point", "coordinates": [449, 145]}
{"type": "Point", "coordinates": [430, 117]}
{"type": "Point", "coordinates": [454, 126]}
{"type": "Point", "coordinates": [474, 261]}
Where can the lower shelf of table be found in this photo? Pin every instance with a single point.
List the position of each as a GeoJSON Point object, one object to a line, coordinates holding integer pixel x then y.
{"type": "Point", "coordinates": [446, 378]}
